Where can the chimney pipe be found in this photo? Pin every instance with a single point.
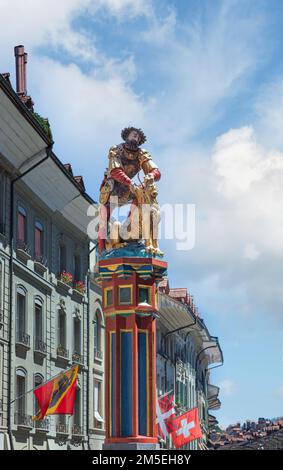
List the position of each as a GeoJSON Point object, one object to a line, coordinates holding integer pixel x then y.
{"type": "Point", "coordinates": [21, 60]}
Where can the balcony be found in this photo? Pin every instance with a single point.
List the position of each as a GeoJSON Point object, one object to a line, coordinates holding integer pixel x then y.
{"type": "Point", "coordinates": [79, 290]}
{"type": "Point", "coordinates": [62, 352]}
{"type": "Point", "coordinates": [77, 358]}
{"type": "Point", "coordinates": [23, 251]}
{"type": "Point", "coordinates": [42, 425]}
{"type": "Point", "coordinates": [62, 429]}
{"type": "Point", "coordinates": [40, 264]}
{"type": "Point", "coordinates": [40, 348]}
{"type": "Point", "coordinates": [77, 430]}
{"type": "Point", "coordinates": [64, 282]}
{"type": "Point", "coordinates": [23, 421]}
{"type": "Point", "coordinates": [23, 340]}
{"type": "Point", "coordinates": [98, 354]}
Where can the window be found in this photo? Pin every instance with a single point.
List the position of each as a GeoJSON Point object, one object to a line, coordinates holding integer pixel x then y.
{"type": "Point", "coordinates": [62, 328]}
{"type": "Point", "coordinates": [20, 403]}
{"type": "Point", "coordinates": [38, 380]}
{"type": "Point", "coordinates": [77, 408]}
{"type": "Point", "coordinates": [2, 203]}
{"type": "Point", "coordinates": [108, 297]}
{"type": "Point", "coordinates": [1, 287]}
{"type": "Point", "coordinates": [38, 323]}
{"type": "Point", "coordinates": [62, 257]}
{"type": "Point", "coordinates": [77, 336]}
{"type": "Point", "coordinates": [97, 335]}
{"type": "Point", "coordinates": [77, 263]}
{"type": "Point", "coordinates": [21, 312]}
{"type": "Point", "coordinates": [38, 241]}
{"type": "Point", "coordinates": [144, 295]}
{"type": "Point", "coordinates": [22, 225]}
{"type": "Point", "coordinates": [98, 420]}
{"type": "Point", "coordinates": [125, 295]}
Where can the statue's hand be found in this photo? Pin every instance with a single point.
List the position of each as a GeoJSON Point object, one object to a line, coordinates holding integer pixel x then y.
{"type": "Point", "coordinates": [148, 178]}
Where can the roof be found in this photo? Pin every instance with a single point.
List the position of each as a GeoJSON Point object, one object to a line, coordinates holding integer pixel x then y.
{"type": "Point", "coordinates": [176, 315]}
{"type": "Point", "coordinates": [5, 85]}
{"type": "Point", "coordinates": [23, 143]}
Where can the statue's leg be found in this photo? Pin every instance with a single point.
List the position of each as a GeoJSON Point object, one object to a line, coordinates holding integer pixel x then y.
{"type": "Point", "coordinates": [104, 216]}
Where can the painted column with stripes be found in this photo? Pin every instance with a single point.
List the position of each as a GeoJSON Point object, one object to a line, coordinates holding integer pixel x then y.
{"type": "Point", "coordinates": [129, 305]}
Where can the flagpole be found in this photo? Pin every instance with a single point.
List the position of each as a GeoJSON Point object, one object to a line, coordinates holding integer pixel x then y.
{"type": "Point", "coordinates": [35, 388]}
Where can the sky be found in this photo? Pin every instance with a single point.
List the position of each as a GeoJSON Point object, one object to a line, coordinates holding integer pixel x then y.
{"type": "Point", "coordinates": [204, 80]}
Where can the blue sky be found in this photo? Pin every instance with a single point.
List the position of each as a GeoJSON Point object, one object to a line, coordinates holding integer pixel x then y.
{"type": "Point", "coordinates": [204, 79]}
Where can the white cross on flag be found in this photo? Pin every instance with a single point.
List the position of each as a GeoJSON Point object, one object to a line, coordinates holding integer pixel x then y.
{"type": "Point", "coordinates": [165, 411]}
{"type": "Point", "coordinates": [187, 428]}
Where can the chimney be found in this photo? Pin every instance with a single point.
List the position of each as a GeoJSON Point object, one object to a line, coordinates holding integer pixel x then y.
{"type": "Point", "coordinates": [21, 60]}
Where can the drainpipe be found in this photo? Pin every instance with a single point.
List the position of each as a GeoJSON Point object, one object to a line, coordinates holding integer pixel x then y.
{"type": "Point", "coordinates": [11, 241]}
{"type": "Point", "coordinates": [88, 352]}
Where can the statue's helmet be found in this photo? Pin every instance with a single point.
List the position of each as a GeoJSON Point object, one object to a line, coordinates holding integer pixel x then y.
{"type": "Point", "coordinates": [127, 130]}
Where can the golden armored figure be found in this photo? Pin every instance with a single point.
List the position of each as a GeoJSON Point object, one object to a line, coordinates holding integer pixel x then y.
{"type": "Point", "coordinates": [125, 162]}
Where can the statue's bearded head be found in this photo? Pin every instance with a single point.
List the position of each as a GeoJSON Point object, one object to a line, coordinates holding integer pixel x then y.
{"type": "Point", "coordinates": [133, 137]}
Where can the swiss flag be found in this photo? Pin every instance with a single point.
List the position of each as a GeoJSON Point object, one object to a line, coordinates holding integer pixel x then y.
{"type": "Point", "coordinates": [165, 412]}
{"type": "Point", "coordinates": [187, 428]}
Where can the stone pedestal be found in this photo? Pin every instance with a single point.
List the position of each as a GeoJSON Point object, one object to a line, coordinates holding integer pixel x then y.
{"type": "Point", "coordinates": [129, 305]}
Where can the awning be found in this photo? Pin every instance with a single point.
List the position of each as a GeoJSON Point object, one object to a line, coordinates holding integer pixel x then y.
{"type": "Point", "coordinates": [20, 136]}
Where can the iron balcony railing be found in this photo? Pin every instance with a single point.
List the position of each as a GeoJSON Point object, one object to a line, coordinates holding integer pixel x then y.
{"type": "Point", "coordinates": [98, 353]}
{"type": "Point", "coordinates": [63, 352]}
{"type": "Point", "coordinates": [22, 245]}
{"type": "Point", "coordinates": [21, 419]}
{"type": "Point", "coordinates": [62, 428]}
{"type": "Point", "coordinates": [77, 430]}
{"type": "Point", "coordinates": [41, 259]}
{"type": "Point", "coordinates": [42, 424]}
{"type": "Point", "coordinates": [23, 338]}
{"type": "Point", "coordinates": [77, 357]}
{"type": "Point", "coordinates": [40, 345]}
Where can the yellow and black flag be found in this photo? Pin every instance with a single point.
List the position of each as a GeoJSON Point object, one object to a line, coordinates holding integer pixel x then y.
{"type": "Point", "coordinates": [57, 396]}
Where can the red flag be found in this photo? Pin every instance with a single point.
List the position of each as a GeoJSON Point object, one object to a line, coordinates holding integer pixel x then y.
{"type": "Point", "coordinates": [187, 428]}
{"type": "Point", "coordinates": [58, 395]}
{"type": "Point", "coordinates": [165, 411]}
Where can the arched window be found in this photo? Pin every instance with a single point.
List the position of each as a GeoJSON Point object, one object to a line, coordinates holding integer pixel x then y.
{"type": "Point", "coordinates": [38, 380]}
{"type": "Point", "coordinates": [22, 226]}
{"type": "Point", "coordinates": [21, 320]}
{"type": "Point", "coordinates": [77, 267]}
{"type": "Point", "coordinates": [38, 323]}
{"type": "Point", "coordinates": [38, 241]}
{"type": "Point", "coordinates": [62, 328]}
{"type": "Point", "coordinates": [20, 404]}
{"type": "Point", "coordinates": [77, 336]}
{"type": "Point", "coordinates": [62, 257]}
{"type": "Point", "coordinates": [77, 408]}
{"type": "Point", "coordinates": [97, 334]}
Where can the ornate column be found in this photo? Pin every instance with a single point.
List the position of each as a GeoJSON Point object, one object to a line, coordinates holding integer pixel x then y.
{"type": "Point", "coordinates": [129, 304]}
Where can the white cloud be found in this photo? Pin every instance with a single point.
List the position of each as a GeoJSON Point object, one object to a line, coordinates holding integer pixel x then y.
{"type": "Point", "coordinates": [238, 192]}
{"type": "Point", "coordinates": [124, 9]}
{"type": "Point", "coordinates": [279, 391]}
{"type": "Point", "coordinates": [228, 387]}
{"type": "Point", "coordinates": [269, 113]}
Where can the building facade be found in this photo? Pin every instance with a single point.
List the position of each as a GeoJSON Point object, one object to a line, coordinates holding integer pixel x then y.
{"type": "Point", "coordinates": [44, 288]}
{"type": "Point", "coordinates": [185, 350]}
